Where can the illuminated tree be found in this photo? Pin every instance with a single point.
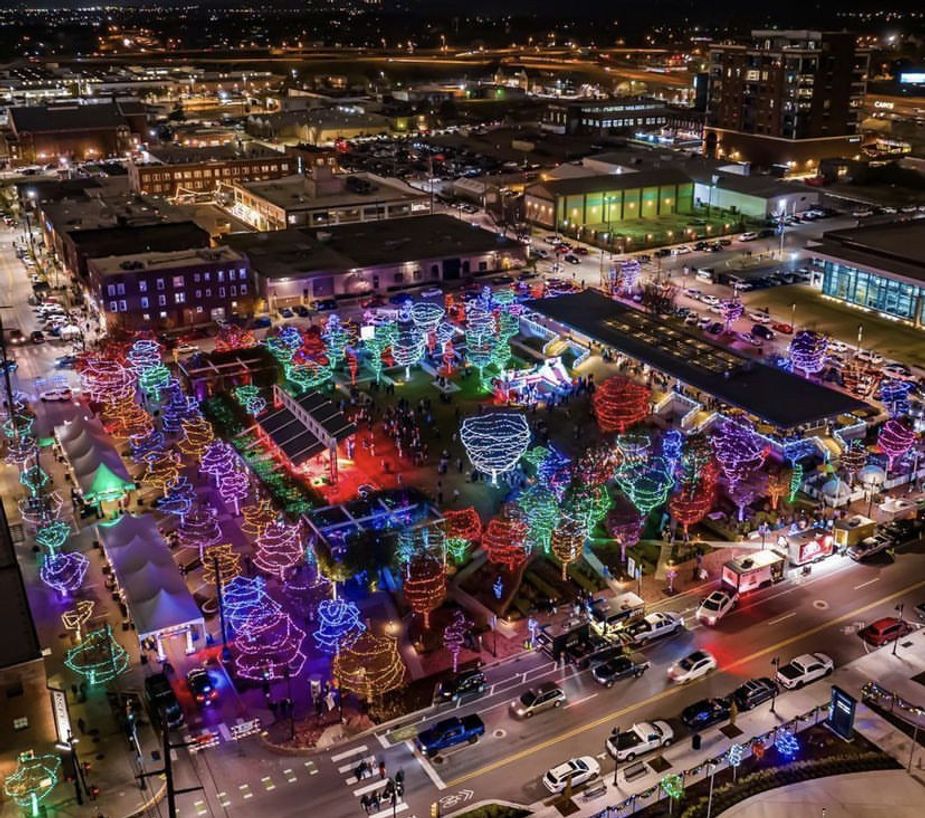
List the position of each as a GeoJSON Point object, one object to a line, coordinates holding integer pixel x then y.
{"type": "Point", "coordinates": [155, 381]}
{"type": "Point", "coordinates": [339, 625]}
{"type": "Point", "coordinates": [408, 348]}
{"type": "Point", "coordinates": [464, 524]}
{"type": "Point", "coordinates": [257, 517]}
{"type": "Point", "coordinates": [197, 435]}
{"type": "Point", "coordinates": [454, 636]}
{"type": "Point", "coordinates": [279, 548]}
{"type": "Point", "coordinates": [426, 316]}
{"type": "Point", "coordinates": [146, 444]}
{"type": "Point", "coordinates": [585, 504]}
{"type": "Point", "coordinates": [505, 542]}
{"type": "Point", "coordinates": [807, 351]}
{"type": "Point", "coordinates": [895, 439]}
{"type": "Point", "coordinates": [425, 585]}
{"type": "Point", "coordinates": [540, 508]}
{"type": "Point", "coordinates": [739, 452]}
{"type": "Point", "coordinates": [268, 644]}
{"type": "Point", "coordinates": [144, 354]}
{"type": "Point", "coordinates": [34, 478]}
{"type": "Point", "coordinates": [480, 348]}
{"type": "Point", "coordinates": [620, 403]}
{"type": "Point", "coordinates": [162, 469]}
{"type": "Point", "coordinates": [218, 459]}
{"type": "Point", "coordinates": [495, 441]}
{"type": "Point", "coordinates": [231, 336]}
{"type": "Point", "coordinates": [125, 419]}
{"type": "Point", "coordinates": [778, 486]}
{"type": "Point", "coordinates": [646, 484]}
{"type": "Point", "coordinates": [32, 781]}
{"type": "Point", "coordinates": [895, 396]}
{"type": "Point", "coordinates": [567, 543]}
{"type": "Point", "coordinates": [732, 310]}
{"type": "Point", "coordinates": [179, 498]}
{"type": "Point", "coordinates": [335, 340]}
{"type": "Point", "coordinates": [242, 596]}
{"type": "Point", "coordinates": [64, 572]}
{"type": "Point", "coordinates": [694, 501]}
{"type": "Point", "coordinates": [598, 463]}
{"type": "Point", "coordinates": [853, 459]}
{"type": "Point", "coordinates": [250, 399]}
{"type": "Point", "coordinates": [99, 658]}
{"type": "Point", "coordinates": [220, 563]}
{"type": "Point", "coordinates": [176, 409]}
{"type": "Point", "coordinates": [375, 345]}
{"type": "Point", "coordinates": [234, 487]}
{"type": "Point", "coordinates": [106, 379]}
{"type": "Point", "coordinates": [199, 530]}
{"type": "Point", "coordinates": [370, 667]}
{"type": "Point", "coordinates": [630, 271]}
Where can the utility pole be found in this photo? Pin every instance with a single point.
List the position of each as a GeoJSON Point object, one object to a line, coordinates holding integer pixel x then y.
{"type": "Point", "coordinates": [167, 771]}
{"type": "Point", "coordinates": [615, 738]}
{"type": "Point", "coordinates": [900, 609]}
{"type": "Point", "coordinates": [775, 663]}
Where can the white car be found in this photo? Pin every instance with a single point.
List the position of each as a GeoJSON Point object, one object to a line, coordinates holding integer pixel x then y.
{"type": "Point", "coordinates": [578, 770]}
{"type": "Point", "coordinates": [693, 666]}
{"type": "Point", "coordinates": [56, 394]}
{"type": "Point", "coordinates": [749, 339]}
{"type": "Point", "coordinates": [709, 299]}
{"type": "Point", "coordinates": [186, 349]}
{"type": "Point", "coordinates": [683, 250]}
{"type": "Point", "coordinates": [804, 669]}
{"type": "Point", "coordinates": [869, 356]}
{"type": "Point", "coordinates": [653, 626]}
{"type": "Point", "coordinates": [716, 606]}
{"type": "Point", "coordinates": [750, 236]}
{"type": "Point", "coordinates": [760, 317]}
{"type": "Point", "coordinates": [898, 372]}
{"type": "Point", "coordinates": [639, 739]}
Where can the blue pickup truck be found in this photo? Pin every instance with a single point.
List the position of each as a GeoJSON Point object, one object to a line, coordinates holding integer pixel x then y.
{"type": "Point", "coordinates": [450, 733]}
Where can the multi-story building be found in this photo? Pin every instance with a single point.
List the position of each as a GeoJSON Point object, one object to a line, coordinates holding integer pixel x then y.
{"type": "Point", "coordinates": [787, 98]}
{"type": "Point", "coordinates": [325, 198]}
{"type": "Point", "coordinates": [171, 289]}
{"type": "Point", "coordinates": [171, 170]}
{"type": "Point", "coordinates": [75, 132]}
{"type": "Point", "coordinates": [604, 115]}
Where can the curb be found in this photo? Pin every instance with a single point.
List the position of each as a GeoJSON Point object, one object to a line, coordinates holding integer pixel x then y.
{"type": "Point", "coordinates": [151, 802]}
{"type": "Point", "coordinates": [486, 803]}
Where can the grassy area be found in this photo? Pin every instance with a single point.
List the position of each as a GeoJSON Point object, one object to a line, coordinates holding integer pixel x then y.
{"type": "Point", "coordinates": [889, 338]}
{"type": "Point", "coordinates": [667, 229]}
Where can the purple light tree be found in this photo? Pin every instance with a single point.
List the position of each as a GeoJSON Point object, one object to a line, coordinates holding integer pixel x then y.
{"type": "Point", "coordinates": [807, 351]}
{"type": "Point", "coordinates": [895, 439]}
{"type": "Point", "coordinates": [739, 452]}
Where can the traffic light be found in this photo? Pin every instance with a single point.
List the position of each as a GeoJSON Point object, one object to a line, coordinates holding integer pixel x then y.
{"type": "Point", "coordinates": [435, 810]}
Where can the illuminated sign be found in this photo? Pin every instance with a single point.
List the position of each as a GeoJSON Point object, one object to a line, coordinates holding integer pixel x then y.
{"type": "Point", "coordinates": [62, 718]}
{"type": "Point", "coordinates": [884, 104]}
{"type": "Point", "coordinates": [841, 713]}
{"type": "Point", "coordinates": [912, 77]}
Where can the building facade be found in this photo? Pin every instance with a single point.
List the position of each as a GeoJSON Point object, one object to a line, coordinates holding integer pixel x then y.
{"type": "Point", "coordinates": [171, 289]}
{"type": "Point", "coordinates": [170, 171]}
{"type": "Point", "coordinates": [879, 268]}
{"type": "Point", "coordinates": [604, 116]}
{"type": "Point", "coordinates": [788, 98]}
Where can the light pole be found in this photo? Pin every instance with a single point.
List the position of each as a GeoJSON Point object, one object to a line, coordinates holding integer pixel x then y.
{"type": "Point", "coordinates": [793, 316]}
{"type": "Point", "coordinates": [615, 738]}
{"type": "Point", "coordinates": [710, 796]}
{"type": "Point", "coordinates": [860, 338]}
{"type": "Point", "coordinates": [900, 610]}
{"type": "Point", "coordinates": [775, 663]}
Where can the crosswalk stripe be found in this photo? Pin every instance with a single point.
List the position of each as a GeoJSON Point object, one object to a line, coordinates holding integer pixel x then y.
{"type": "Point", "coordinates": [348, 753]}
{"type": "Point", "coordinates": [349, 768]}
{"type": "Point", "coordinates": [376, 785]}
{"type": "Point", "coordinates": [390, 811]}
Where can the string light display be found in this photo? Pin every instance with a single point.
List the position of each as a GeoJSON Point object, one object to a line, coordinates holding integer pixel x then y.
{"type": "Point", "coordinates": [692, 503]}
{"type": "Point", "coordinates": [731, 310]}
{"type": "Point", "coordinates": [231, 337]}
{"type": "Point", "coordinates": [739, 452]}
{"type": "Point", "coordinates": [796, 481]}
{"type": "Point", "coordinates": [257, 517]}
{"type": "Point", "coordinates": [339, 625]}
{"type": "Point", "coordinates": [673, 786]}
{"type": "Point", "coordinates": [585, 504]}
{"type": "Point", "coordinates": [895, 396]}
{"type": "Point", "coordinates": [268, 644]}
{"type": "Point", "coordinates": [106, 379]}
{"type": "Point", "coordinates": [425, 585]}
{"type": "Point", "coordinates": [426, 316]}
{"type": "Point", "coordinates": [199, 530]}
{"type": "Point", "coordinates": [375, 345]}
{"type": "Point", "coordinates": [495, 442]}
{"type": "Point", "coordinates": [32, 781]}
{"type": "Point", "coordinates": [408, 348]}
{"type": "Point", "coordinates": [370, 667]}
{"type": "Point", "coordinates": [125, 418]}
{"type": "Point", "coordinates": [197, 435]}
{"type": "Point", "coordinates": [620, 403]}
{"type": "Point", "coordinates": [807, 351]}
{"type": "Point", "coordinates": [540, 507]}
{"type": "Point", "coordinates": [480, 348]}
{"type": "Point", "coordinates": [464, 524]}
{"type": "Point", "coordinates": [853, 459]}
{"type": "Point", "coordinates": [20, 449]}
{"type": "Point", "coordinates": [630, 272]}
{"type": "Point", "coordinates": [234, 487]}
{"type": "Point", "coordinates": [895, 439]}
{"type": "Point", "coordinates": [278, 549]}
{"type": "Point", "coordinates": [145, 444]}
{"type": "Point", "coordinates": [227, 561]}
{"type": "Point", "coordinates": [144, 354]}
{"type": "Point", "coordinates": [41, 509]}
{"type": "Point", "coordinates": [99, 658]}
{"type": "Point", "coordinates": [250, 399]}
{"type": "Point", "coordinates": [454, 636]}
{"type": "Point", "coordinates": [786, 743]}
{"type": "Point", "coordinates": [335, 340]}
{"type": "Point", "coordinates": [647, 484]}
{"type": "Point", "coordinates": [624, 524]}
{"type": "Point", "coordinates": [777, 487]}
{"type": "Point", "coordinates": [64, 572]}
{"type": "Point", "coordinates": [241, 597]}
{"type": "Point", "coordinates": [567, 543]}
{"type": "Point", "coordinates": [218, 459]}
{"type": "Point", "coordinates": [673, 445]}
{"type": "Point", "coordinates": [307, 376]}
{"type": "Point", "coordinates": [505, 542]}
{"type": "Point", "coordinates": [53, 535]}
{"type": "Point", "coordinates": [154, 381]}
{"type": "Point", "coordinates": [162, 470]}
{"type": "Point", "coordinates": [34, 478]}
{"type": "Point", "coordinates": [19, 425]}
{"type": "Point", "coordinates": [179, 498]}
{"type": "Point", "coordinates": [177, 408]}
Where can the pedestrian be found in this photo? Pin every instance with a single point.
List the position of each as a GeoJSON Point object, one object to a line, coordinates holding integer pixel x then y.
{"type": "Point", "coordinates": [382, 768]}
{"type": "Point", "coordinates": [733, 713]}
{"type": "Point", "coordinates": [364, 802]}
{"type": "Point", "coordinates": [82, 726]}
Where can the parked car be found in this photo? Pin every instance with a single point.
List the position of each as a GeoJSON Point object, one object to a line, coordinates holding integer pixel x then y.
{"type": "Point", "coordinates": [201, 686]}
{"type": "Point", "coordinates": [575, 771]}
{"type": "Point", "coordinates": [662, 252]}
{"type": "Point", "coordinates": [463, 684]}
{"type": "Point", "coordinates": [869, 356]}
{"type": "Point", "coordinates": [641, 738]}
{"type": "Point", "coordinates": [620, 667]}
{"type": "Point", "coordinates": [285, 312]}
{"type": "Point", "coordinates": [571, 258]}
{"type": "Point", "coordinates": [749, 339]}
{"type": "Point", "coordinates": [450, 733]}
{"type": "Point", "coordinates": [882, 631]}
{"type": "Point", "coordinates": [545, 697]}
{"type": "Point", "coordinates": [302, 311]}
{"type": "Point", "coordinates": [56, 394]}
{"type": "Point", "coordinates": [691, 667]}
{"type": "Point", "coordinates": [432, 292]}
{"type": "Point", "coordinates": [37, 337]}
{"type": "Point", "coordinates": [715, 328]}
{"type": "Point", "coordinates": [749, 236]}
{"type": "Point", "coordinates": [782, 328]}
{"type": "Point", "coordinates": [763, 332]}
{"type": "Point", "coordinates": [653, 626]}
{"type": "Point", "coordinates": [262, 322]}
{"type": "Point", "coordinates": [759, 317]}
{"type": "Point", "coordinates": [329, 304]}
{"type": "Point", "coordinates": [716, 606]}
{"type": "Point", "coordinates": [754, 692]}
{"type": "Point", "coordinates": [869, 546]}
{"type": "Point", "coordinates": [803, 670]}
{"type": "Point", "coordinates": [898, 372]}
{"type": "Point", "coordinates": [681, 250]}
{"type": "Point", "coordinates": [705, 713]}
{"type": "Point", "coordinates": [162, 701]}
{"type": "Point", "coordinates": [16, 337]}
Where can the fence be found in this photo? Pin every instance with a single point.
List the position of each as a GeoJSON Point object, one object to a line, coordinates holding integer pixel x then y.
{"type": "Point", "coordinates": [673, 785]}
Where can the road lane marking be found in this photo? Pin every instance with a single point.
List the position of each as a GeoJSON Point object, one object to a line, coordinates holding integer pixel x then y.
{"type": "Point", "coordinates": [580, 701]}
{"type": "Point", "coordinates": [782, 618]}
{"type": "Point", "coordinates": [427, 767]}
{"type": "Point", "coordinates": [349, 768]}
{"type": "Point", "coordinates": [386, 813]}
{"type": "Point", "coordinates": [493, 707]}
{"type": "Point", "coordinates": [375, 785]}
{"type": "Point", "coordinates": [673, 691]}
{"type": "Point", "coordinates": [865, 584]}
{"type": "Point", "coordinates": [348, 753]}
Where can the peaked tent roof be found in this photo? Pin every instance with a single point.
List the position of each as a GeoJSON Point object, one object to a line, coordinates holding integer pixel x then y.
{"type": "Point", "coordinates": [98, 468]}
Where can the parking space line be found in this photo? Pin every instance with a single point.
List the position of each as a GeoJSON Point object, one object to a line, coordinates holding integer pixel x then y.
{"type": "Point", "coordinates": [427, 767]}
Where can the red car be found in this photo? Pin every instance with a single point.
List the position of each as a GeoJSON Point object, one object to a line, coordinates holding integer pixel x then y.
{"type": "Point", "coordinates": [783, 329]}
{"type": "Point", "coordinates": [884, 631]}
{"type": "Point", "coordinates": [582, 251]}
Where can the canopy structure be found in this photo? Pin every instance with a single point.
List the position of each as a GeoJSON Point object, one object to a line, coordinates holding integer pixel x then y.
{"type": "Point", "coordinates": [149, 580]}
{"type": "Point", "coordinates": [98, 468]}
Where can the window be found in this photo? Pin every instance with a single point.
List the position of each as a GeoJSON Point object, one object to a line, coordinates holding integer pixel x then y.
{"type": "Point", "coordinates": [180, 298]}
{"type": "Point", "coordinates": [196, 278]}
{"type": "Point", "coordinates": [123, 307]}
{"type": "Point", "coordinates": [111, 289]}
{"type": "Point", "coordinates": [244, 289]}
{"type": "Point", "coordinates": [179, 281]}
{"type": "Point", "coordinates": [160, 283]}
{"type": "Point", "coordinates": [113, 307]}
{"type": "Point", "coordinates": [221, 292]}
{"type": "Point", "coordinates": [144, 302]}
{"type": "Point", "coordinates": [142, 286]}
{"type": "Point", "coordinates": [22, 723]}
{"type": "Point", "coordinates": [162, 314]}
{"type": "Point", "coordinates": [198, 293]}
{"type": "Point", "coordinates": [234, 290]}
{"type": "Point", "coordinates": [399, 278]}
{"type": "Point", "coordinates": [120, 289]}
{"type": "Point", "coordinates": [208, 292]}
{"type": "Point", "coordinates": [242, 273]}
{"type": "Point", "coordinates": [207, 276]}
{"type": "Point", "coordinates": [162, 300]}
{"type": "Point", "coordinates": [146, 316]}
{"type": "Point", "coordinates": [221, 275]}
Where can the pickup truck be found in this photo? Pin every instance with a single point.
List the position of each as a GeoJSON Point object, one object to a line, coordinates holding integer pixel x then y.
{"type": "Point", "coordinates": [651, 627]}
{"type": "Point", "coordinates": [449, 733]}
{"type": "Point", "coordinates": [639, 739]}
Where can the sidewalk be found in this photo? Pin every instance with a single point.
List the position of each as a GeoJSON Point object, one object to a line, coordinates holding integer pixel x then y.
{"type": "Point", "coordinates": [892, 672]}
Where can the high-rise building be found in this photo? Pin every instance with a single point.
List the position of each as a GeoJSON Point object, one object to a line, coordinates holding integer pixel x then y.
{"type": "Point", "coordinates": [789, 98]}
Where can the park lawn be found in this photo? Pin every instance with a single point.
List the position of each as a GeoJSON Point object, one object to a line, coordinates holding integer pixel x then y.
{"type": "Point", "coordinates": [890, 338]}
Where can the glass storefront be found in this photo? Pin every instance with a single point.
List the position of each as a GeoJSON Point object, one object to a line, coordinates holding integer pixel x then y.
{"type": "Point", "coordinates": [876, 292]}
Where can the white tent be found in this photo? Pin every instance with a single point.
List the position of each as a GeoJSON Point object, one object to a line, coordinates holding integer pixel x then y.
{"type": "Point", "coordinates": [98, 468]}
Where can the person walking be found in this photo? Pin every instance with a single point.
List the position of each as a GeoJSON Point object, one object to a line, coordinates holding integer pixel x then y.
{"type": "Point", "coordinates": [382, 768]}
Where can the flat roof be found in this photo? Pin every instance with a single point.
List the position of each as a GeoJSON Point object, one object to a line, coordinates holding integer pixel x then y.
{"type": "Point", "coordinates": [650, 177]}
{"type": "Point", "coordinates": [167, 260]}
{"type": "Point", "coordinates": [896, 247]}
{"type": "Point", "coordinates": [180, 155]}
{"type": "Point", "coordinates": [20, 642]}
{"type": "Point", "coordinates": [305, 250]}
{"type": "Point", "coordinates": [296, 192]}
{"type": "Point", "coordinates": [770, 394]}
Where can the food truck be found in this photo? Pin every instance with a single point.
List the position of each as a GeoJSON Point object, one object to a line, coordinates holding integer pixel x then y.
{"type": "Point", "coordinates": [807, 546]}
{"type": "Point", "coordinates": [756, 569]}
{"type": "Point", "coordinates": [852, 530]}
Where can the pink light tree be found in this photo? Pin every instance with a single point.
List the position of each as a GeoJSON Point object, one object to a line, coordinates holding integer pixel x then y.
{"type": "Point", "coordinates": [279, 548]}
{"type": "Point", "coordinates": [895, 439]}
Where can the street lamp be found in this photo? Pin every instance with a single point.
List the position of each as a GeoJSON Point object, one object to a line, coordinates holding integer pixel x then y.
{"type": "Point", "coordinates": [710, 796]}
{"type": "Point", "coordinates": [775, 663]}
{"type": "Point", "coordinates": [900, 609]}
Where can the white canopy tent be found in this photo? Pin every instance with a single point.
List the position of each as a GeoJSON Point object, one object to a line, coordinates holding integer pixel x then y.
{"type": "Point", "coordinates": [149, 580]}
{"type": "Point", "coordinates": [98, 469]}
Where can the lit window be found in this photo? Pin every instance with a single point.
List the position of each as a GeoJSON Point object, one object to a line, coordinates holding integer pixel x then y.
{"type": "Point", "coordinates": [196, 278]}
{"type": "Point", "coordinates": [198, 293]}
{"type": "Point", "coordinates": [244, 289]}
{"type": "Point", "coordinates": [144, 302]}
{"type": "Point", "coordinates": [111, 289]}
{"type": "Point", "coordinates": [221, 275]}
{"type": "Point", "coordinates": [160, 283]}
{"type": "Point", "coordinates": [162, 300]}
{"type": "Point", "coordinates": [179, 281]}
{"type": "Point", "coordinates": [142, 286]}
{"type": "Point", "coordinates": [180, 298]}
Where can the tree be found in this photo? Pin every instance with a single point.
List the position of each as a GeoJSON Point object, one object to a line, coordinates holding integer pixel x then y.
{"type": "Point", "coordinates": [220, 564]}
{"type": "Point", "coordinates": [279, 548]}
{"type": "Point", "coordinates": [199, 530]}
{"type": "Point", "coordinates": [778, 486]}
{"type": "Point", "coordinates": [567, 543]}
{"type": "Point", "coordinates": [620, 403]}
{"type": "Point", "coordinates": [269, 644]}
{"type": "Point", "coordinates": [659, 297]}
{"type": "Point", "coordinates": [425, 585]}
{"type": "Point", "coordinates": [454, 636]}
{"type": "Point", "coordinates": [370, 667]}
{"type": "Point", "coordinates": [505, 541]}
{"type": "Point", "coordinates": [197, 436]}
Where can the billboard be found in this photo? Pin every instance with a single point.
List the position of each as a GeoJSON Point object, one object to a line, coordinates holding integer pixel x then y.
{"type": "Point", "coordinates": [912, 77]}
{"type": "Point", "coordinates": [841, 713]}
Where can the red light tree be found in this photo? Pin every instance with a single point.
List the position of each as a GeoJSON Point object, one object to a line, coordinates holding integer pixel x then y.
{"type": "Point", "coordinates": [231, 336]}
{"type": "Point", "coordinates": [279, 548]}
{"type": "Point", "coordinates": [505, 541]}
{"type": "Point", "coordinates": [425, 585]}
{"type": "Point", "coordinates": [464, 524]}
{"type": "Point", "coordinates": [694, 501]}
{"type": "Point", "coordinates": [619, 403]}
